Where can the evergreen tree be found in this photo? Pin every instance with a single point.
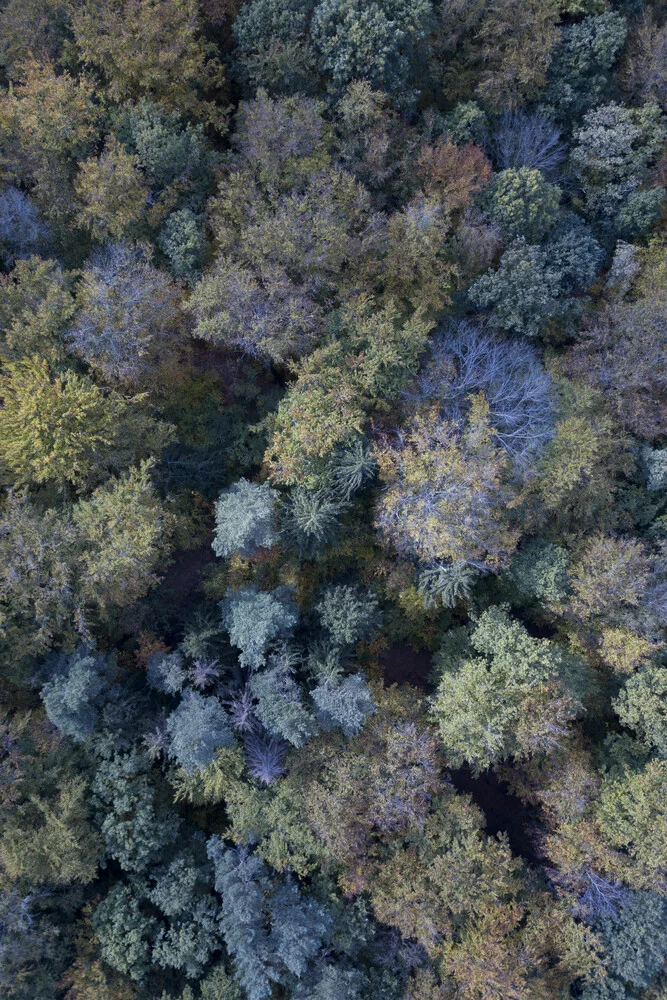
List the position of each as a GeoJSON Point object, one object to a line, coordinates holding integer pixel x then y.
{"type": "Point", "coordinates": [197, 727]}
{"type": "Point", "coordinates": [73, 694]}
{"type": "Point", "coordinates": [245, 519]}
{"type": "Point", "coordinates": [255, 619]}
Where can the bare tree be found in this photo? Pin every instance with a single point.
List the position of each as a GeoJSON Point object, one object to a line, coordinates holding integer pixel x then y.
{"type": "Point", "coordinates": [466, 360]}
{"type": "Point", "coordinates": [128, 310]}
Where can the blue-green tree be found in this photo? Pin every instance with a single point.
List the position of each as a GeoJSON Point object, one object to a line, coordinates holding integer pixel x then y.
{"type": "Point", "coordinates": [198, 727]}
{"type": "Point", "coordinates": [74, 694]}
{"type": "Point", "coordinates": [257, 618]}
{"type": "Point", "coordinates": [245, 519]}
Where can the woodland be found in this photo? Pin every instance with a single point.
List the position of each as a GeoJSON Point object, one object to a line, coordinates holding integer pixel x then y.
{"type": "Point", "coordinates": [333, 499]}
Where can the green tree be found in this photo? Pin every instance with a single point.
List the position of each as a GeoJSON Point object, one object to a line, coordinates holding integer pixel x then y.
{"type": "Point", "coordinates": [633, 818]}
{"type": "Point", "coordinates": [311, 520]}
{"type": "Point", "coordinates": [635, 939]}
{"type": "Point", "coordinates": [582, 61]}
{"type": "Point", "coordinates": [522, 203]}
{"type": "Point", "coordinates": [612, 152]}
{"type": "Point", "coordinates": [36, 304]}
{"type": "Point", "coordinates": [280, 706]}
{"type": "Point", "coordinates": [112, 192]}
{"type": "Point", "coordinates": [515, 698]}
{"type": "Point", "coordinates": [136, 827]}
{"type": "Point", "coordinates": [378, 42]}
{"type": "Point", "coordinates": [348, 613]}
{"type": "Point", "coordinates": [124, 932]}
{"type": "Point", "coordinates": [528, 289]}
{"type": "Point", "coordinates": [344, 702]}
{"type": "Point", "coordinates": [147, 49]}
{"type": "Point", "coordinates": [336, 388]}
{"type": "Point", "coordinates": [641, 706]}
{"type": "Point", "coordinates": [123, 530]}
{"type": "Point", "coordinates": [48, 840]}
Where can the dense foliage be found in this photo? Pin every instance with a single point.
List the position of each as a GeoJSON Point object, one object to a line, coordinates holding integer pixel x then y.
{"type": "Point", "coordinates": [333, 500]}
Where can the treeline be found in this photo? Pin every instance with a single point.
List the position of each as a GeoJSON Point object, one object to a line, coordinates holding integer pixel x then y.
{"type": "Point", "coordinates": [333, 334]}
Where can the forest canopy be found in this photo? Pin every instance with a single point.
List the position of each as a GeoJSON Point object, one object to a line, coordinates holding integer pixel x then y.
{"type": "Point", "coordinates": [333, 500]}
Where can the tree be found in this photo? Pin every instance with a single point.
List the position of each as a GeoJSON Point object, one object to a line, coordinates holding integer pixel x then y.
{"type": "Point", "coordinates": [612, 153]}
{"type": "Point", "coordinates": [619, 351]}
{"type": "Point", "coordinates": [582, 61]}
{"type": "Point", "coordinates": [182, 894]}
{"type": "Point", "coordinates": [453, 174]}
{"type": "Point", "coordinates": [311, 520]}
{"type": "Point", "coordinates": [444, 496]}
{"type": "Point", "coordinates": [61, 428]}
{"type": "Point", "coordinates": [36, 304]}
{"type": "Point", "coordinates": [643, 71]}
{"type": "Point", "coordinates": [522, 203]}
{"type": "Point", "coordinates": [245, 519]}
{"type": "Point", "coordinates": [136, 827]}
{"type": "Point", "coordinates": [344, 702]}
{"type": "Point", "coordinates": [127, 313]}
{"type": "Point", "coordinates": [272, 317]}
{"type": "Point", "coordinates": [514, 699]}
{"type": "Point", "coordinates": [539, 571]}
{"type": "Point", "coordinates": [273, 50]}
{"type": "Point", "coordinates": [526, 291]}
{"type": "Point", "coordinates": [298, 927]}
{"type": "Point", "coordinates": [280, 706]}
{"type": "Point", "coordinates": [165, 672]}
{"type": "Point", "coordinates": [528, 140]}
{"type": "Point", "coordinates": [148, 50]}
{"type": "Point", "coordinates": [52, 122]}
{"type": "Point", "coordinates": [641, 706]}
{"type": "Point", "coordinates": [112, 192]}
{"type": "Point", "coordinates": [123, 529]}
{"type": "Point", "coordinates": [197, 727]}
{"type": "Point", "coordinates": [635, 939]}
{"type": "Point", "coordinates": [181, 240]}
{"type": "Point", "coordinates": [39, 601]}
{"type": "Point", "coordinates": [580, 468]}
{"type": "Point", "coordinates": [48, 841]}
{"type": "Point", "coordinates": [416, 269]}
{"type": "Point", "coordinates": [31, 28]}
{"type": "Point", "coordinates": [255, 619]}
{"type": "Point", "coordinates": [378, 42]}
{"type": "Point", "coordinates": [483, 50]}
{"type": "Point", "coordinates": [632, 816]}
{"type": "Point", "coordinates": [174, 157]}
{"type": "Point", "coordinates": [53, 566]}
{"type": "Point", "coordinates": [612, 579]}
{"type": "Point", "coordinates": [124, 932]}
{"type": "Point", "coordinates": [242, 880]}
{"type": "Point", "coordinates": [73, 694]}
{"type": "Point", "coordinates": [269, 928]}
{"type": "Point", "coordinates": [23, 231]}
{"type": "Point", "coordinates": [282, 142]}
{"type": "Point", "coordinates": [348, 613]}
{"type": "Point", "coordinates": [326, 408]}
{"type": "Point", "coordinates": [465, 360]}
{"type": "Point", "coordinates": [283, 261]}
